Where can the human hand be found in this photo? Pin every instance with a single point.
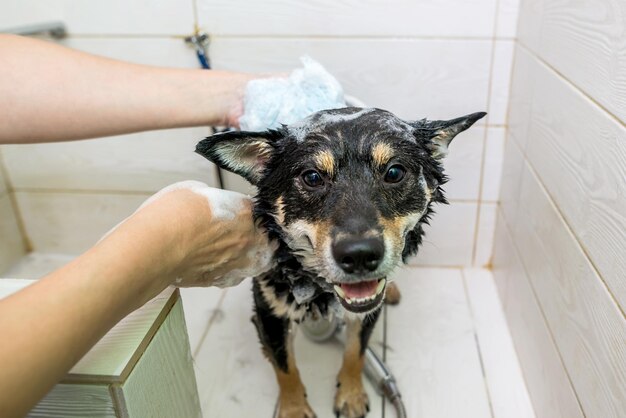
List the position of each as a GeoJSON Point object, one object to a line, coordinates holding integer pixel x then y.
{"type": "Point", "coordinates": [203, 236]}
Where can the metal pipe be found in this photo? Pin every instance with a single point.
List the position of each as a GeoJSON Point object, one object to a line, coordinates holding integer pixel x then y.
{"type": "Point", "coordinates": [324, 329]}
{"type": "Point", "coordinates": [55, 29]}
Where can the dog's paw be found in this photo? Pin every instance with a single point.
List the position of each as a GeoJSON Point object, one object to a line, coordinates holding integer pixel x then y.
{"type": "Point", "coordinates": [351, 401]}
{"type": "Point", "coordinates": [295, 409]}
{"type": "Point", "coordinates": [392, 294]}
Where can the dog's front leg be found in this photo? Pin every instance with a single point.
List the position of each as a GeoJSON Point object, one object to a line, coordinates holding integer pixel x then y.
{"type": "Point", "coordinates": [351, 400]}
{"type": "Point", "coordinates": [277, 341]}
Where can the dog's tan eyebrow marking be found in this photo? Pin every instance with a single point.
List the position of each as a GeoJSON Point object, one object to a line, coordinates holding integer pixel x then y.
{"type": "Point", "coordinates": [382, 153]}
{"type": "Point", "coordinates": [280, 210]}
{"type": "Point", "coordinates": [325, 162]}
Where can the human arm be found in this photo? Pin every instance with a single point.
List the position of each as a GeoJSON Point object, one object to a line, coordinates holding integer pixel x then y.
{"type": "Point", "coordinates": [185, 232]}
{"type": "Point", "coordinates": [52, 93]}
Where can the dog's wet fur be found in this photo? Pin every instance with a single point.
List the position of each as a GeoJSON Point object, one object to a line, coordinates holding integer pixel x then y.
{"type": "Point", "coordinates": [346, 193]}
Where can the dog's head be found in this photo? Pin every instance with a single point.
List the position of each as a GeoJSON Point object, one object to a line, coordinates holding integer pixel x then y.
{"type": "Point", "coordinates": [345, 189]}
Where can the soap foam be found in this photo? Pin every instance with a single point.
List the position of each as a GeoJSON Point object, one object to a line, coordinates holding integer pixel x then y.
{"type": "Point", "coordinates": [270, 102]}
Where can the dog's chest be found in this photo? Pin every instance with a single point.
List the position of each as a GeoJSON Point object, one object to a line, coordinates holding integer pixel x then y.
{"type": "Point", "coordinates": [293, 292]}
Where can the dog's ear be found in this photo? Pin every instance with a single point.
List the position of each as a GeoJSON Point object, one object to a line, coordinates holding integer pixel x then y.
{"type": "Point", "coordinates": [440, 133]}
{"type": "Point", "coordinates": [243, 153]}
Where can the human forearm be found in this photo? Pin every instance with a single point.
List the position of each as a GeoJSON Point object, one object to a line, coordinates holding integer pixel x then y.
{"type": "Point", "coordinates": [50, 325]}
{"type": "Point", "coordinates": [188, 234]}
{"type": "Point", "coordinates": [76, 95]}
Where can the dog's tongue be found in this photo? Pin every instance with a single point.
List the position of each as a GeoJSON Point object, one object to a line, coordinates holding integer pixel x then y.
{"type": "Point", "coordinates": [359, 290]}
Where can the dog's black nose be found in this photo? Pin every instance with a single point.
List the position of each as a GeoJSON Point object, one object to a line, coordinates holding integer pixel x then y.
{"type": "Point", "coordinates": [360, 255]}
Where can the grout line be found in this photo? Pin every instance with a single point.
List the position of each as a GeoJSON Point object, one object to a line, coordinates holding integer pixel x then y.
{"type": "Point", "coordinates": [216, 312]}
{"type": "Point", "coordinates": [84, 191]}
{"type": "Point", "coordinates": [194, 9]}
{"type": "Point", "coordinates": [571, 84]}
{"type": "Point", "coordinates": [293, 37]}
{"type": "Point", "coordinates": [485, 136]}
{"type": "Point", "coordinates": [27, 245]}
{"type": "Point", "coordinates": [543, 315]}
{"type": "Point", "coordinates": [480, 354]}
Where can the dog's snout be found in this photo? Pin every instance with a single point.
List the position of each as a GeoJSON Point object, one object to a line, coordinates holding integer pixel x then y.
{"type": "Point", "coordinates": [359, 255]}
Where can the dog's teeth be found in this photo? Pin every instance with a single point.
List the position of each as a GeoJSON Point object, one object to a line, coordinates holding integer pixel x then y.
{"type": "Point", "coordinates": [381, 286]}
{"type": "Point", "coordinates": [349, 301]}
{"type": "Point", "coordinates": [340, 292]}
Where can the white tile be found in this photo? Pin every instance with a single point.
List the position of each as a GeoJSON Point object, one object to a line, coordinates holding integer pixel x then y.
{"type": "Point", "coordinates": [201, 306]}
{"type": "Point", "coordinates": [143, 162]}
{"type": "Point", "coordinates": [500, 81]}
{"type": "Point", "coordinates": [70, 223]}
{"type": "Point", "coordinates": [234, 378]}
{"type": "Point", "coordinates": [507, 390]}
{"type": "Point", "coordinates": [508, 13]}
{"type": "Point", "coordinates": [165, 52]}
{"type": "Point", "coordinates": [36, 265]}
{"type": "Point", "coordinates": [111, 17]}
{"type": "Point", "coordinates": [462, 164]}
{"type": "Point", "coordinates": [547, 382]}
{"type": "Point", "coordinates": [327, 17]}
{"type": "Point", "coordinates": [582, 314]}
{"type": "Point", "coordinates": [438, 79]}
{"type": "Point", "coordinates": [579, 152]}
{"type": "Point", "coordinates": [450, 238]}
{"type": "Point", "coordinates": [432, 349]}
{"type": "Point", "coordinates": [485, 234]}
{"type": "Point", "coordinates": [12, 246]}
{"type": "Point", "coordinates": [494, 156]}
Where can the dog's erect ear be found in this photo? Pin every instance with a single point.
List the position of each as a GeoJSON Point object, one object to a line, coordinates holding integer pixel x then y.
{"type": "Point", "coordinates": [243, 153]}
{"type": "Point", "coordinates": [441, 132]}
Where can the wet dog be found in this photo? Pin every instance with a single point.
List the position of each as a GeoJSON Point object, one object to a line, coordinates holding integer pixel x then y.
{"type": "Point", "coordinates": [345, 192]}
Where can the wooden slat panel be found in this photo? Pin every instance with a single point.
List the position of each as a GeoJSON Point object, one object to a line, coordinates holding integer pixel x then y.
{"type": "Point", "coordinates": [507, 391]}
{"type": "Point", "coordinates": [71, 223]}
{"type": "Point", "coordinates": [521, 97]}
{"type": "Point", "coordinates": [75, 401]}
{"type": "Point", "coordinates": [329, 17]}
{"type": "Point", "coordinates": [546, 380]}
{"type": "Point", "coordinates": [585, 42]}
{"type": "Point", "coordinates": [115, 354]}
{"type": "Point", "coordinates": [428, 78]}
{"type": "Point", "coordinates": [579, 153]}
{"type": "Point", "coordinates": [162, 384]}
{"type": "Point", "coordinates": [587, 325]}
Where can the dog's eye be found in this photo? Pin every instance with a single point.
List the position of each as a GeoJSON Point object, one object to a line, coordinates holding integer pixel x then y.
{"type": "Point", "coordinates": [395, 174]}
{"type": "Point", "coordinates": [312, 178]}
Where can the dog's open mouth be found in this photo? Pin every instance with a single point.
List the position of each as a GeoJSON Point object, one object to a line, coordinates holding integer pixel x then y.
{"type": "Point", "coordinates": [362, 296]}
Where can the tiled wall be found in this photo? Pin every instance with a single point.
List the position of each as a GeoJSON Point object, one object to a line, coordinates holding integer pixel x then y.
{"type": "Point", "coordinates": [12, 246]}
{"type": "Point", "coordinates": [418, 59]}
{"type": "Point", "coordinates": [560, 245]}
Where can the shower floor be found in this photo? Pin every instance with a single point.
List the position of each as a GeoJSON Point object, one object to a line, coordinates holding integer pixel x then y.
{"type": "Point", "coordinates": [446, 343]}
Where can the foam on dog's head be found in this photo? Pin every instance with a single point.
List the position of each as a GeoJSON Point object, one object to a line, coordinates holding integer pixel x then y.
{"type": "Point", "coordinates": [350, 152]}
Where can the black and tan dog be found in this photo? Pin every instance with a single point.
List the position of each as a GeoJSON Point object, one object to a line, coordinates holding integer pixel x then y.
{"type": "Point", "coordinates": [345, 192]}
